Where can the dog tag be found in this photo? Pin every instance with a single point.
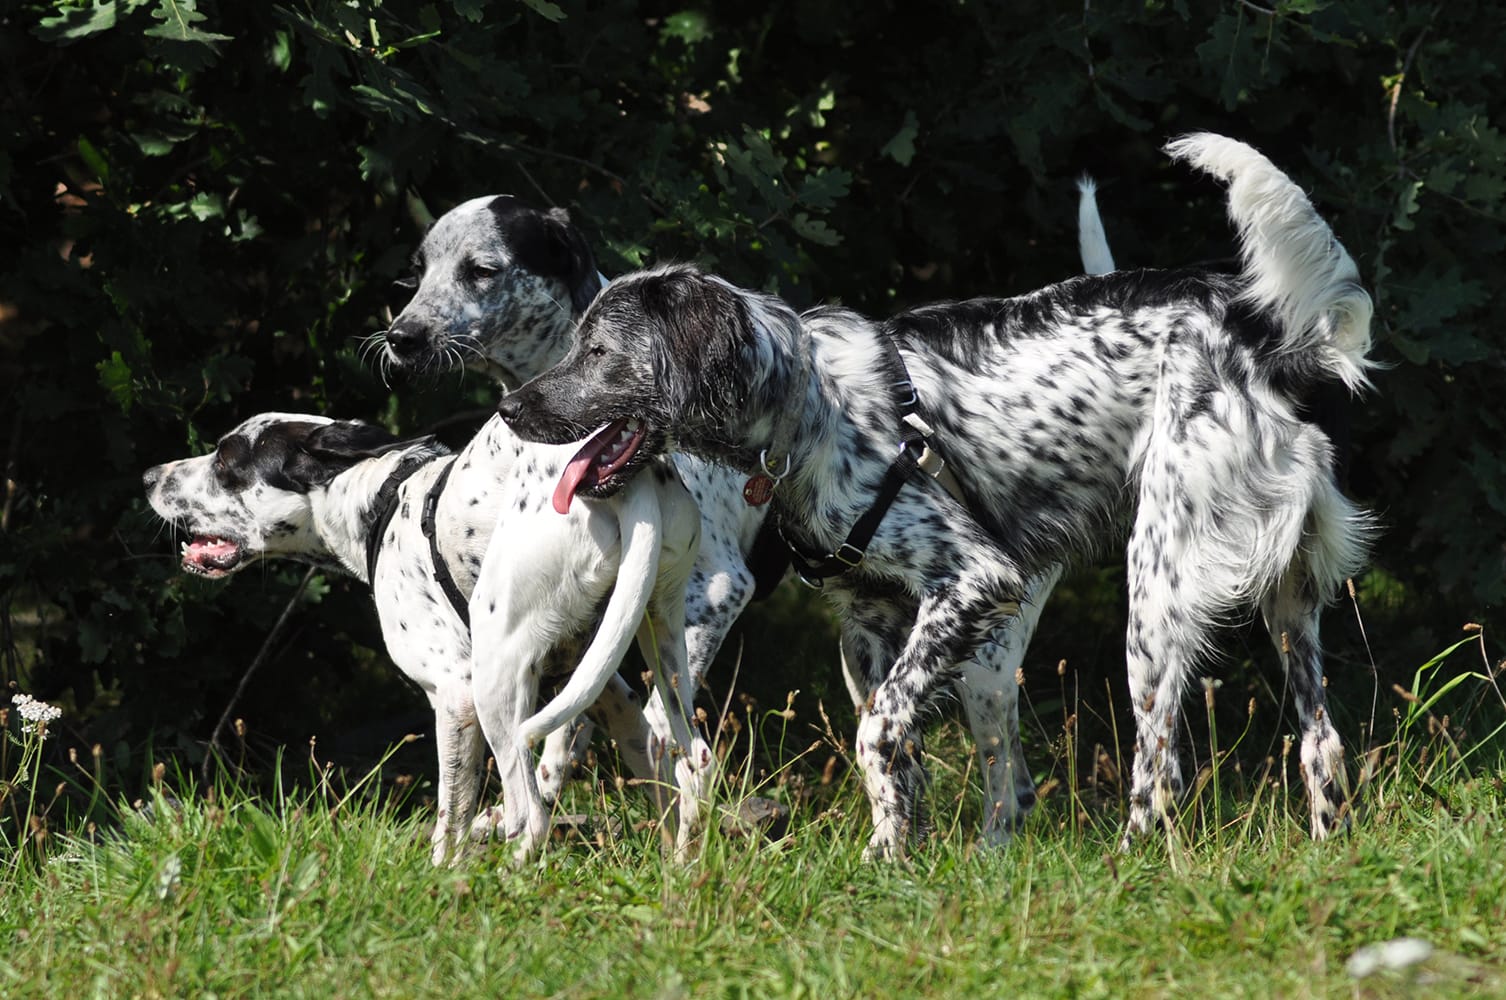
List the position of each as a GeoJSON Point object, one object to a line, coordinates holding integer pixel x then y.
{"type": "Point", "coordinates": [758, 490]}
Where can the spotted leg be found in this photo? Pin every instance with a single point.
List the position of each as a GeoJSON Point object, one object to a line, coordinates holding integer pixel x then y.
{"type": "Point", "coordinates": [1291, 614]}
{"type": "Point", "coordinates": [990, 696]}
{"type": "Point", "coordinates": [950, 624]}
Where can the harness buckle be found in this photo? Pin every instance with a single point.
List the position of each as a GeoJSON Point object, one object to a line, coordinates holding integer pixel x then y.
{"type": "Point", "coordinates": [930, 461]}
{"type": "Point", "coordinates": [917, 423]}
{"type": "Point", "coordinates": [849, 555]}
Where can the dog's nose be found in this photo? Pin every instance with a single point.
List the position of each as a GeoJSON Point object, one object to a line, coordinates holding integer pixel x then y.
{"type": "Point", "coordinates": [151, 477]}
{"type": "Point", "coordinates": [406, 339]}
{"type": "Point", "coordinates": [511, 408]}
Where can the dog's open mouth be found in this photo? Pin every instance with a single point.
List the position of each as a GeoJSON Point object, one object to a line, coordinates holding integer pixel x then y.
{"type": "Point", "coordinates": [604, 456]}
{"type": "Point", "coordinates": [211, 555]}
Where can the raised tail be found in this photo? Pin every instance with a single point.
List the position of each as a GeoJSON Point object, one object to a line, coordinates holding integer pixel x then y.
{"type": "Point", "coordinates": [637, 573]}
{"type": "Point", "coordinates": [1295, 267]}
{"type": "Point", "coordinates": [1092, 243]}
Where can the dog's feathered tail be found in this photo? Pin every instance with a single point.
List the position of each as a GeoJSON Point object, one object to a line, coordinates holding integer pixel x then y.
{"type": "Point", "coordinates": [1092, 242]}
{"type": "Point", "coordinates": [1295, 267]}
{"type": "Point", "coordinates": [637, 574]}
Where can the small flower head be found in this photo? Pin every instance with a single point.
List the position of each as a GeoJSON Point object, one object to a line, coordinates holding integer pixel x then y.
{"type": "Point", "coordinates": [34, 714]}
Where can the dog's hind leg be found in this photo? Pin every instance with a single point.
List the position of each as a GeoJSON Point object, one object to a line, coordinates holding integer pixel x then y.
{"type": "Point", "coordinates": [1333, 544]}
{"type": "Point", "coordinates": [990, 696]}
{"type": "Point", "coordinates": [1291, 614]}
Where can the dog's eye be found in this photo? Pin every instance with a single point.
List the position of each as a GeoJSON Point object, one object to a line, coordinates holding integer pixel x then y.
{"type": "Point", "coordinates": [480, 272]}
{"type": "Point", "coordinates": [597, 351]}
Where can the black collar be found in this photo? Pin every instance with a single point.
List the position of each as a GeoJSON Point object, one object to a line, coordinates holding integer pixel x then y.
{"type": "Point", "coordinates": [916, 459]}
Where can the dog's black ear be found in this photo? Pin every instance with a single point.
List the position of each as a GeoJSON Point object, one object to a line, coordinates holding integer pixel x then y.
{"type": "Point", "coordinates": [351, 440]}
{"type": "Point", "coordinates": [326, 450]}
{"type": "Point", "coordinates": [669, 295]}
{"type": "Point", "coordinates": [548, 244]}
{"type": "Point", "coordinates": [578, 263]}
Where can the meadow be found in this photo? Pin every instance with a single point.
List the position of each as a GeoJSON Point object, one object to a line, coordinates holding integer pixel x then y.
{"type": "Point", "coordinates": [321, 887]}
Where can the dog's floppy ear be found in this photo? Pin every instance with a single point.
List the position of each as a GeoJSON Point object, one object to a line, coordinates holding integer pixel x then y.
{"type": "Point", "coordinates": [549, 245]}
{"type": "Point", "coordinates": [576, 260]}
{"type": "Point", "coordinates": [352, 440]}
{"type": "Point", "coordinates": [327, 450]}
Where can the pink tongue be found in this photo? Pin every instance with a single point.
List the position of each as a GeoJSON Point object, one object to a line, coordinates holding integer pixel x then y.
{"type": "Point", "coordinates": [580, 466]}
{"type": "Point", "coordinates": [575, 471]}
{"type": "Point", "coordinates": [210, 547]}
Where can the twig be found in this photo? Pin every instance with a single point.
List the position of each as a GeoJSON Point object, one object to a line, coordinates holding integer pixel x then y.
{"type": "Point", "coordinates": [1406, 67]}
{"type": "Point", "coordinates": [12, 463]}
{"type": "Point", "coordinates": [1087, 50]}
{"type": "Point", "coordinates": [1359, 620]}
{"type": "Point", "coordinates": [261, 656]}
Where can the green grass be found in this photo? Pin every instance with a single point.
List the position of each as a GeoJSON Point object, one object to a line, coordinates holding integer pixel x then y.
{"type": "Point", "coordinates": [321, 893]}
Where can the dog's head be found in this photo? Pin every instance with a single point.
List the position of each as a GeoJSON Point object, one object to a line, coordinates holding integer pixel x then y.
{"type": "Point", "coordinates": [663, 359]}
{"type": "Point", "coordinates": [497, 286]}
{"type": "Point", "coordinates": [251, 496]}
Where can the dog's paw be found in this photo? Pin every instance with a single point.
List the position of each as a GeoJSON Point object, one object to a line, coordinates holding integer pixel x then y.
{"type": "Point", "coordinates": [484, 826]}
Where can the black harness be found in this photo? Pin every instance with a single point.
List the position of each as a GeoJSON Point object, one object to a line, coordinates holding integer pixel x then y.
{"type": "Point", "coordinates": [385, 506]}
{"type": "Point", "coordinates": [916, 459]}
{"type": "Point", "coordinates": [442, 574]}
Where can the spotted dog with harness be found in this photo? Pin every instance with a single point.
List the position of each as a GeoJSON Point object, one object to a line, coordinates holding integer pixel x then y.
{"type": "Point", "coordinates": [349, 497]}
{"type": "Point", "coordinates": [499, 286]}
{"type": "Point", "coordinates": [1173, 397]}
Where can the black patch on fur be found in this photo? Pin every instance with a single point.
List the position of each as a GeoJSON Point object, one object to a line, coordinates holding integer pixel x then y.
{"type": "Point", "coordinates": [297, 456]}
{"type": "Point", "coordinates": [549, 245]}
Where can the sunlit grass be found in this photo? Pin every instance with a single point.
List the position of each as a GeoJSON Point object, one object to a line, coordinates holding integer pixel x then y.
{"type": "Point", "coordinates": [325, 890]}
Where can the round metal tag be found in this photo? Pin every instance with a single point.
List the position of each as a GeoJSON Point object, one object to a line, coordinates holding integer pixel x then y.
{"type": "Point", "coordinates": [758, 490]}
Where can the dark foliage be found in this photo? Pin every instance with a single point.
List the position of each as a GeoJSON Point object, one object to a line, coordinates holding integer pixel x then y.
{"type": "Point", "coordinates": [203, 206]}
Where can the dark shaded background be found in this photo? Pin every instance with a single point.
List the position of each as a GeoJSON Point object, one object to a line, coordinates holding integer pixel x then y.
{"type": "Point", "coordinates": [203, 206]}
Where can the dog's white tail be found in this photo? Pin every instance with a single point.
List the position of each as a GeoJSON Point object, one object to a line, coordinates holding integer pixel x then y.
{"type": "Point", "coordinates": [1295, 266]}
{"type": "Point", "coordinates": [637, 573]}
{"type": "Point", "coordinates": [1092, 243]}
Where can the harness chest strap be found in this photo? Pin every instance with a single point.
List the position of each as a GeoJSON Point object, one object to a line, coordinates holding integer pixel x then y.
{"type": "Point", "coordinates": [915, 456]}
{"type": "Point", "coordinates": [385, 506]}
{"type": "Point", "coordinates": [442, 575]}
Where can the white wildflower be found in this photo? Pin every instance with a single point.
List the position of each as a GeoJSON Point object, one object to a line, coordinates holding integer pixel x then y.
{"type": "Point", "coordinates": [1395, 956]}
{"type": "Point", "coordinates": [34, 714]}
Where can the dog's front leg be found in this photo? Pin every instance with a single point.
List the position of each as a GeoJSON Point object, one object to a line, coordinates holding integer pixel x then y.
{"type": "Point", "coordinates": [951, 623]}
{"type": "Point", "coordinates": [459, 743]}
{"type": "Point", "coordinates": [619, 710]}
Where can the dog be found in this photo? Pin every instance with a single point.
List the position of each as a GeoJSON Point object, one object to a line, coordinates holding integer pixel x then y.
{"type": "Point", "coordinates": [316, 490]}
{"type": "Point", "coordinates": [1172, 397]}
{"type": "Point", "coordinates": [499, 286]}
{"type": "Point", "coordinates": [625, 560]}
